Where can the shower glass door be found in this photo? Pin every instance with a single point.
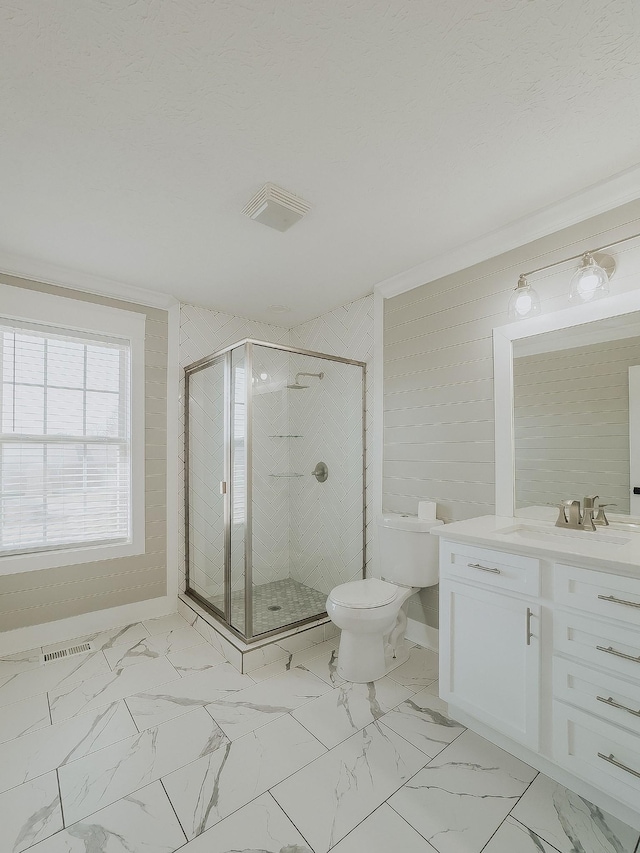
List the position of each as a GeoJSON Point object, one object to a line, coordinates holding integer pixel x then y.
{"type": "Point", "coordinates": [275, 463]}
{"type": "Point", "coordinates": [306, 530]}
{"type": "Point", "coordinates": [207, 472]}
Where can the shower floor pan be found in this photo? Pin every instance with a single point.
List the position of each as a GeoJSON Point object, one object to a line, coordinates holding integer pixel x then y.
{"type": "Point", "coordinates": [275, 605]}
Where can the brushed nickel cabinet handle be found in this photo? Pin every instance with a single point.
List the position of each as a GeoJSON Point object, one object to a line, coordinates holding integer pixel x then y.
{"type": "Point", "coordinates": [619, 600]}
{"type": "Point", "coordinates": [529, 634]}
{"type": "Point", "coordinates": [483, 568]}
{"type": "Point", "coordinates": [611, 701]}
{"type": "Point", "coordinates": [611, 651]}
{"type": "Point", "coordinates": [619, 764]}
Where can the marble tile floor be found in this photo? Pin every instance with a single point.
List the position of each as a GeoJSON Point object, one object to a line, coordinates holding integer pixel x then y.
{"type": "Point", "coordinates": [152, 743]}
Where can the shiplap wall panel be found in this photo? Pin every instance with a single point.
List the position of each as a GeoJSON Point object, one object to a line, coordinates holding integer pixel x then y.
{"type": "Point", "coordinates": [438, 347]}
{"type": "Point", "coordinates": [582, 393]}
{"type": "Point", "coordinates": [31, 598]}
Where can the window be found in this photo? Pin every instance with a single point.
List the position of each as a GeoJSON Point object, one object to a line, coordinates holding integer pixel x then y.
{"type": "Point", "coordinates": [69, 437]}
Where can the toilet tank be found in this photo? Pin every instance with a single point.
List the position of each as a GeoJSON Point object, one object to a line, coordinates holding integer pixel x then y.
{"type": "Point", "coordinates": [408, 551]}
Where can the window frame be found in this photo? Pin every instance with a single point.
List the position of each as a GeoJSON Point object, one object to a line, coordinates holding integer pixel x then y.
{"type": "Point", "coordinates": [29, 306]}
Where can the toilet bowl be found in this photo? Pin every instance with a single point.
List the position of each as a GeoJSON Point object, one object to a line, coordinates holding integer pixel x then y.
{"type": "Point", "coordinates": [367, 611]}
{"type": "Point", "coordinates": [371, 612]}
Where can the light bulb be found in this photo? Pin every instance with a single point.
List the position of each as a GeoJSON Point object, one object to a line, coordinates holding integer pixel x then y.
{"type": "Point", "coordinates": [589, 281]}
{"type": "Point", "coordinates": [524, 301]}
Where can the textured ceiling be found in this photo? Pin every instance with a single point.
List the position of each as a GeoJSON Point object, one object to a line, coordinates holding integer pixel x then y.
{"type": "Point", "coordinates": [133, 133]}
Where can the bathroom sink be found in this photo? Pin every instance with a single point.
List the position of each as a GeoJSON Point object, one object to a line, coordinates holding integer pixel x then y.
{"type": "Point", "coordinates": [533, 533]}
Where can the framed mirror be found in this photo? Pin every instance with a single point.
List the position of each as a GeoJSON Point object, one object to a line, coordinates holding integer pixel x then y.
{"type": "Point", "coordinates": [567, 409]}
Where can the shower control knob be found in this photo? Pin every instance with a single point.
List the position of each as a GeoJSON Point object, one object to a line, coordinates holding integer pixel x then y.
{"type": "Point", "coordinates": [320, 472]}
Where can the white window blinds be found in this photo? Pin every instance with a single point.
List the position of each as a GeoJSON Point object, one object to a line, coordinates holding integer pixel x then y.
{"type": "Point", "coordinates": [65, 439]}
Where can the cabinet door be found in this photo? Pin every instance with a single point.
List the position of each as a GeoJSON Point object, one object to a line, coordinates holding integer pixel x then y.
{"type": "Point", "coordinates": [490, 658]}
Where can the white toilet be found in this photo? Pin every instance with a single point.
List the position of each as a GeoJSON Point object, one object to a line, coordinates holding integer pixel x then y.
{"type": "Point", "coordinates": [371, 612]}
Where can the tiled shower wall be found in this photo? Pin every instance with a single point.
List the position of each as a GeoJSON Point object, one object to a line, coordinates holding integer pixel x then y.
{"type": "Point", "coordinates": [326, 550]}
{"type": "Point", "coordinates": [311, 558]}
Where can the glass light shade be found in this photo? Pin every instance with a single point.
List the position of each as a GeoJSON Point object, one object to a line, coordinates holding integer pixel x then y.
{"type": "Point", "coordinates": [524, 301]}
{"type": "Point", "coordinates": [589, 281]}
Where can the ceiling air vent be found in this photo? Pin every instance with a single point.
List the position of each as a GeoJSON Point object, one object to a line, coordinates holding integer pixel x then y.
{"type": "Point", "coordinates": [66, 653]}
{"type": "Point", "coordinates": [276, 207]}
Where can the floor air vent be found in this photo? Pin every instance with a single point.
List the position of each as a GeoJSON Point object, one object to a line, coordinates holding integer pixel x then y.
{"type": "Point", "coordinates": [66, 653]}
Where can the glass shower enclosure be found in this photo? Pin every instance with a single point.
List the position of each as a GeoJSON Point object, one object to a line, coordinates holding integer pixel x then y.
{"type": "Point", "coordinates": [275, 483]}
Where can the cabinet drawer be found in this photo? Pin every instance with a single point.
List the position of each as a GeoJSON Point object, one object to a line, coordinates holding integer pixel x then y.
{"type": "Point", "coordinates": [490, 568]}
{"type": "Point", "coordinates": [613, 596]}
{"type": "Point", "coordinates": [615, 648]}
{"type": "Point", "coordinates": [597, 751]}
{"type": "Point", "coordinates": [613, 699]}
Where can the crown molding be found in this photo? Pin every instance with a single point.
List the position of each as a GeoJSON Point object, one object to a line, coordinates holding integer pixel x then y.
{"type": "Point", "coordinates": [592, 201]}
{"type": "Point", "coordinates": [47, 273]}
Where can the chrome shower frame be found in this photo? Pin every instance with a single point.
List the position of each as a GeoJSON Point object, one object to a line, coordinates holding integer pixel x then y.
{"type": "Point", "coordinates": [226, 355]}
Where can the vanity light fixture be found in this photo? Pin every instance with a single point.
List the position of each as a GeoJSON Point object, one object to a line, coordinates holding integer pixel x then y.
{"type": "Point", "coordinates": [524, 301]}
{"type": "Point", "coordinates": [590, 281]}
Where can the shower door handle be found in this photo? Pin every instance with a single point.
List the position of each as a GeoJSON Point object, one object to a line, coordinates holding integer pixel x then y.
{"type": "Point", "coordinates": [223, 487]}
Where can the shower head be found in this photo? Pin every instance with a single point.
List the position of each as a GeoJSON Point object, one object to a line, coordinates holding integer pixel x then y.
{"type": "Point", "coordinates": [296, 386]}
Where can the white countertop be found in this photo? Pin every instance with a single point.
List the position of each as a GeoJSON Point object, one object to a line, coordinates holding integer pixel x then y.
{"type": "Point", "coordinates": [616, 546]}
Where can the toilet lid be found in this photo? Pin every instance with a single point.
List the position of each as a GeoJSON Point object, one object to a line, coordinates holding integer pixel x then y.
{"type": "Point", "coordinates": [370, 592]}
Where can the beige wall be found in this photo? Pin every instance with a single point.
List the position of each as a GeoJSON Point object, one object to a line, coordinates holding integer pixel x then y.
{"type": "Point", "coordinates": [438, 371]}
{"type": "Point", "coordinates": [31, 598]}
{"type": "Point", "coordinates": [571, 423]}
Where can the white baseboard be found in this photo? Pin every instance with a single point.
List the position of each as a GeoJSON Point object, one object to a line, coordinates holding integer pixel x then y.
{"type": "Point", "coordinates": [422, 634]}
{"type": "Point", "coordinates": [33, 636]}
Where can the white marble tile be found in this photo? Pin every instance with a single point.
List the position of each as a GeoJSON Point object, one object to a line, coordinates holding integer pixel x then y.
{"type": "Point", "coordinates": [295, 659]}
{"type": "Point", "coordinates": [29, 813]}
{"type": "Point", "coordinates": [420, 670]}
{"type": "Point", "coordinates": [103, 777]}
{"type": "Point", "coordinates": [149, 648]}
{"type": "Point", "coordinates": [212, 788]}
{"type": "Point", "coordinates": [568, 822]}
{"type": "Point", "coordinates": [143, 822]}
{"type": "Point", "coordinates": [195, 658]}
{"type": "Point", "coordinates": [257, 658]}
{"type": "Point", "coordinates": [59, 674]}
{"type": "Point", "coordinates": [348, 708]}
{"type": "Point", "coordinates": [258, 705]}
{"type": "Point", "coordinates": [513, 837]}
{"type": "Point", "coordinates": [219, 643]}
{"type": "Point", "coordinates": [187, 613]}
{"type": "Point", "coordinates": [163, 624]}
{"type": "Point", "coordinates": [326, 666]}
{"type": "Point", "coordinates": [108, 687]}
{"type": "Point", "coordinates": [259, 827]}
{"type": "Point", "coordinates": [158, 704]}
{"type": "Point", "coordinates": [19, 662]}
{"type": "Point", "coordinates": [37, 753]}
{"type": "Point", "coordinates": [331, 630]}
{"type": "Point", "coordinates": [459, 800]}
{"type": "Point", "coordinates": [382, 832]}
{"type": "Point", "coordinates": [422, 720]}
{"type": "Point", "coordinates": [333, 794]}
{"type": "Point", "coordinates": [101, 640]}
{"type": "Point", "coordinates": [24, 717]}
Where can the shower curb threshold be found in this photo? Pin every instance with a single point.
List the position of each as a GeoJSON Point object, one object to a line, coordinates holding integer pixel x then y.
{"type": "Point", "coordinates": [247, 657]}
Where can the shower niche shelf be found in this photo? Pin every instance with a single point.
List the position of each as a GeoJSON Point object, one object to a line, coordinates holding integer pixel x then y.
{"type": "Point", "coordinates": [286, 436]}
{"type": "Point", "coordinates": [287, 476]}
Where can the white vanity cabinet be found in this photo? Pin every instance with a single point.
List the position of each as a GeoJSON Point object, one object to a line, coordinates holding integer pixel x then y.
{"type": "Point", "coordinates": [489, 649]}
{"type": "Point", "coordinates": [542, 655]}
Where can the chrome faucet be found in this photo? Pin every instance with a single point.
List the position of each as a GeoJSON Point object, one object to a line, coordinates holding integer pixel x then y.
{"type": "Point", "coordinates": [571, 516]}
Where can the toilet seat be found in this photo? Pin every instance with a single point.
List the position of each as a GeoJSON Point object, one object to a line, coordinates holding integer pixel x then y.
{"type": "Point", "coordinates": [364, 594]}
